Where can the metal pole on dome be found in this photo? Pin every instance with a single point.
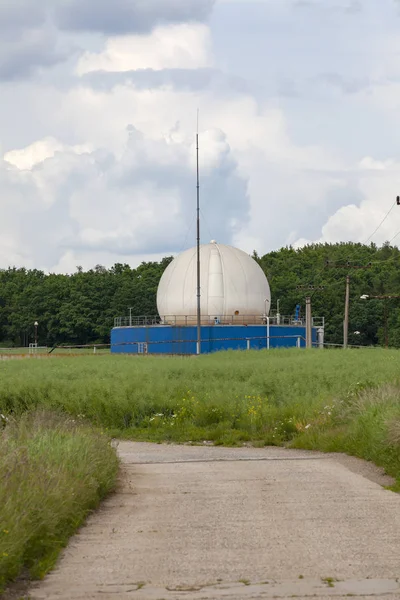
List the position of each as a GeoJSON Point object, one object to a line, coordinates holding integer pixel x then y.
{"type": "Point", "coordinates": [198, 245]}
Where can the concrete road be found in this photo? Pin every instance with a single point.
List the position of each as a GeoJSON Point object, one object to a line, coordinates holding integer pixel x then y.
{"type": "Point", "coordinates": [204, 523]}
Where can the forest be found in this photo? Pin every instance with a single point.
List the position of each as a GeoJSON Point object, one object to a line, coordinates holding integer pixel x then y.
{"type": "Point", "coordinates": [79, 309]}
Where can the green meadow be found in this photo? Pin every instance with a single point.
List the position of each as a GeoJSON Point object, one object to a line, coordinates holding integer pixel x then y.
{"type": "Point", "coordinates": [272, 397]}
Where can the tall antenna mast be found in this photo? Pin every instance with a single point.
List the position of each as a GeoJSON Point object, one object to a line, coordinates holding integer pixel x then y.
{"type": "Point", "coordinates": [198, 245]}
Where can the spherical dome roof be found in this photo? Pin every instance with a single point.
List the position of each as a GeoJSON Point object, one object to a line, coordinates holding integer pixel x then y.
{"type": "Point", "coordinates": [232, 285]}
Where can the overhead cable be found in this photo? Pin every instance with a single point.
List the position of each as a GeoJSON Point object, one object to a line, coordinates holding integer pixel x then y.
{"type": "Point", "coordinates": [382, 222]}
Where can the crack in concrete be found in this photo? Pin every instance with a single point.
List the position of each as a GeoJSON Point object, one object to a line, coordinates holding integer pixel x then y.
{"type": "Point", "coordinates": [355, 588]}
{"type": "Point", "coordinates": [228, 460]}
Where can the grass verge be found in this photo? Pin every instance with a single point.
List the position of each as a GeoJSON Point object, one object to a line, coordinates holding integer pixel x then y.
{"type": "Point", "coordinates": [365, 423]}
{"type": "Point", "coordinates": [53, 472]}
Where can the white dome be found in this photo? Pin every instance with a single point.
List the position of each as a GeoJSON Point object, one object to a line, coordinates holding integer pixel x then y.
{"type": "Point", "coordinates": [234, 288]}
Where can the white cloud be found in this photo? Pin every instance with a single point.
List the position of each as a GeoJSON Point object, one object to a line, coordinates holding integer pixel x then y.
{"type": "Point", "coordinates": [370, 164]}
{"type": "Point", "coordinates": [139, 199]}
{"type": "Point", "coordinates": [314, 165]}
{"type": "Point", "coordinates": [34, 37]}
{"type": "Point", "coordinates": [71, 259]}
{"type": "Point", "coordinates": [124, 16]}
{"type": "Point", "coordinates": [186, 46]}
{"type": "Point", "coordinates": [38, 152]}
{"type": "Point", "coordinates": [98, 202]}
{"type": "Point", "coordinates": [378, 185]}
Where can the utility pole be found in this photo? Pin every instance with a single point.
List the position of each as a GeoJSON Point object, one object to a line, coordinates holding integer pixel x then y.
{"type": "Point", "coordinates": [386, 324]}
{"type": "Point", "coordinates": [346, 314]}
{"type": "Point", "coordinates": [309, 288]}
{"type": "Point", "coordinates": [385, 299]}
{"type": "Point", "coordinates": [347, 265]}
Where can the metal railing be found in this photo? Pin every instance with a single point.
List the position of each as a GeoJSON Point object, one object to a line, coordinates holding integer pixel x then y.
{"type": "Point", "coordinates": [212, 320]}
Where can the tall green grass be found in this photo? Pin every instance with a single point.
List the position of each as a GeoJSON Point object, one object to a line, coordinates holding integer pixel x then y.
{"type": "Point", "coordinates": [249, 394]}
{"type": "Point", "coordinates": [53, 472]}
{"type": "Point", "coordinates": [267, 397]}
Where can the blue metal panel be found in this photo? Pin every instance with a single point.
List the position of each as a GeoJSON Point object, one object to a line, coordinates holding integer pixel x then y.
{"type": "Point", "coordinates": [161, 339]}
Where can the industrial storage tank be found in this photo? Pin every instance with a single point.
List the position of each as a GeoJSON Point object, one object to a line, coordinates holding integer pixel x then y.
{"type": "Point", "coordinates": [234, 288]}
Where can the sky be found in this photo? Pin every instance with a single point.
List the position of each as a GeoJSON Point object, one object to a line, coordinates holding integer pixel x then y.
{"type": "Point", "coordinates": [299, 128]}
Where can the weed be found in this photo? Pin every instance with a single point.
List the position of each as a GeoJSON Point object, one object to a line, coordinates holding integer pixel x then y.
{"type": "Point", "coordinates": [140, 585]}
{"type": "Point", "coordinates": [330, 581]}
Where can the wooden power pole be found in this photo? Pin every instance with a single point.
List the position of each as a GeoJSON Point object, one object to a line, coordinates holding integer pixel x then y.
{"type": "Point", "coordinates": [347, 265]}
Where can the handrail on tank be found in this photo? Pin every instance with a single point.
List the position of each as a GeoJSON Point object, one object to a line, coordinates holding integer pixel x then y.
{"type": "Point", "coordinates": [214, 320]}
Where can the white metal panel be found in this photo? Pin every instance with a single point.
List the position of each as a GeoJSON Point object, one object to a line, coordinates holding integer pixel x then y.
{"type": "Point", "coordinates": [216, 291]}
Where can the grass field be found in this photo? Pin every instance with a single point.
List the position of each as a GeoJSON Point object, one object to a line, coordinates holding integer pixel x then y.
{"type": "Point", "coordinates": [53, 471]}
{"type": "Point", "coordinates": [284, 396]}
{"type": "Point", "coordinates": [234, 395]}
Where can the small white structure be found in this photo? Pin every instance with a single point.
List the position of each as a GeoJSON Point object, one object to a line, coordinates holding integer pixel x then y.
{"type": "Point", "coordinates": [234, 288]}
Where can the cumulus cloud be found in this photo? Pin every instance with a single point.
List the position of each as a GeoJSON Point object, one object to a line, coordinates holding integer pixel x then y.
{"type": "Point", "coordinates": [21, 52]}
{"type": "Point", "coordinates": [118, 17]}
{"type": "Point", "coordinates": [281, 150]}
{"type": "Point", "coordinates": [351, 7]}
{"type": "Point", "coordinates": [38, 152]}
{"type": "Point", "coordinates": [127, 16]}
{"type": "Point", "coordinates": [174, 47]}
{"type": "Point", "coordinates": [347, 85]}
{"type": "Point", "coordinates": [137, 204]}
{"type": "Point", "coordinates": [196, 80]}
{"type": "Point", "coordinates": [138, 198]}
{"type": "Point", "coordinates": [364, 221]}
{"type": "Point", "coordinates": [31, 37]}
{"type": "Point", "coordinates": [17, 15]}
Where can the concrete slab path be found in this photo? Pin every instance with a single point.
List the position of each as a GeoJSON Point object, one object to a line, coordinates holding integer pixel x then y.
{"type": "Point", "coordinates": [204, 523]}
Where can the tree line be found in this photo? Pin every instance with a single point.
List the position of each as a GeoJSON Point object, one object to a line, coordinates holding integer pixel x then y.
{"type": "Point", "coordinates": [80, 308]}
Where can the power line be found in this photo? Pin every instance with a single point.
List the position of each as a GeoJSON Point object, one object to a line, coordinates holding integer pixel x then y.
{"type": "Point", "coordinates": [393, 238]}
{"type": "Point", "coordinates": [347, 265]}
{"type": "Point", "coordinates": [395, 203]}
{"type": "Point", "coordinates": [187, 234]}
{"type": "Point", "coordinates": [204, 220]}
{"type": "Point", "coordinates": [385, 260]}
{"type": "Point", "coordinates": [310, 287]}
